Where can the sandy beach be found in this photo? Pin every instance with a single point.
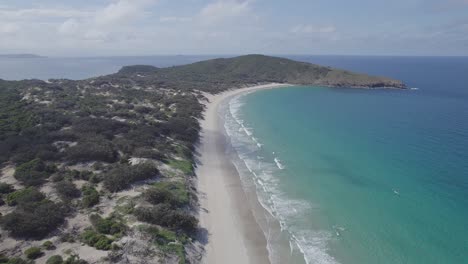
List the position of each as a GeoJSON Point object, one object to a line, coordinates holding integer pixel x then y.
{"type": "Point", "coordinates": [233, 235]}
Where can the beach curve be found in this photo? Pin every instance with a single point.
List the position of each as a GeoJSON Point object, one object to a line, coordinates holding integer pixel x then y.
{"type": "Point", "coordinates": [232, 232]}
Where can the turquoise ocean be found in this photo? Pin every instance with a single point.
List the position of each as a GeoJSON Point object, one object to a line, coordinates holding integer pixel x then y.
{"type": "Point", "coordinates": [362, 176]}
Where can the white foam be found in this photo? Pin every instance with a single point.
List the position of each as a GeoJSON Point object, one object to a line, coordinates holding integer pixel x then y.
{"type": "Point", "coordinates": [278, 163]}
{"type": "Point", "coordinates": [262, 170]}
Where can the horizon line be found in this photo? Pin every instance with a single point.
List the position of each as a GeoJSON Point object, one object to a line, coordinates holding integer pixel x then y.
{"type": "Point", "coordinates": [227, 54]}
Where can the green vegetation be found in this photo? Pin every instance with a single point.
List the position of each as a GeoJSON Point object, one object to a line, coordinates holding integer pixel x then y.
{"type": "Point", "coordinates": [221, 74]}
{"type": "Point", "coordinates": [108, 226]}
{"type": "Point", "coordinates": [55, 259]}
{"type": "Point", "coordinates": [183, 165]}
{"type": "Point", "coordinates": [164, 215]}
{"type": "Point", "coordinates": [67, 190]}
{"type": "Point", "coordinates": [24, 197]}
{"type": "Point", "coordinates": [18, 261]}
{"type": "Point", "coordinates": [96, 240]}
{"type": "Point", "coordinates": [93, 149]}
{"type": "Point", "coordinates": [48, 245]}
{"type": "Point", "coordinates": [138, 69]}
{"type": "Point", "coordinates": [122, 176]}
{"type": "Point", "coordinates": [13, 117]}
{"type": "Point", "coordinates": [172, 193]}
{"type": "Point", "coordinates": [33, 253]}
{"type": "Point", "coordinates": [6, 188]}
{"type": "Point", "coordinates": [74, 259]}
{"type": "Point", "coordinates": [167, 241]}
{"type": "Point", "coordinates": [90, 196]}
{"type": "Point", "coordinates": [33, 218]}
{"type": "Point", "coordinates": [33, 173]}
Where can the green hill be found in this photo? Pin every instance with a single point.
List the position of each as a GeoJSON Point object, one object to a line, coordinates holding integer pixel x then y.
{"type": "Point", "coordinates": [220, 74]}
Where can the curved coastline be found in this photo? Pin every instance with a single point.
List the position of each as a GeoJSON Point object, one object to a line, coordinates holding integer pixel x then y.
{"type": "Point", "coordinates": [230, 214]}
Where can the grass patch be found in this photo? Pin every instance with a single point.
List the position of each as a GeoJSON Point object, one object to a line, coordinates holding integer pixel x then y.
{"type": "Point", "coordinates": [183, 165]}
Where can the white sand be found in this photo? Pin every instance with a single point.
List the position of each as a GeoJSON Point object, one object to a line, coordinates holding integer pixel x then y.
{"type": "Point", "coordinates": [233, 235]}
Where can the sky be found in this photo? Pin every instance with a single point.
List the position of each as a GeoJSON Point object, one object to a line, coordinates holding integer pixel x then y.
{"type": "Point", "coordinates": [172, 27]}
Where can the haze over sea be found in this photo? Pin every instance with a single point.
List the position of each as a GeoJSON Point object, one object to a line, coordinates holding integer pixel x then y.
{"type": "Point", "coordinates": [353, 175]}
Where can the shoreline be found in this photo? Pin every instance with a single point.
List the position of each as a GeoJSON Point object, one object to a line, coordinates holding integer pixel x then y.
{"type": "Point", "coordinates": [227, 212]}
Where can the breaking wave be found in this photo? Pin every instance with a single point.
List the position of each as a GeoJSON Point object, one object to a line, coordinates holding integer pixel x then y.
{"type": "Point", "coordinates": [261, 169]}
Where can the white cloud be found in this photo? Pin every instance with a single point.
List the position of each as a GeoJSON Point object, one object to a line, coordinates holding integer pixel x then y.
{"type": "Point", "coordinates": [222, 10]}
{"type": "Point", "coordinates": [174, 19]}
{"type": "Point", "coordinates": [9, 28]}
{"type": "Point", "coordinates": [70, 26]}
{"type": "Point", "coordinates": [122, 11]}
{"type": "Point", "coordinates": [108, 22]}
{"type": "Point", "coordinates": [35, 13]}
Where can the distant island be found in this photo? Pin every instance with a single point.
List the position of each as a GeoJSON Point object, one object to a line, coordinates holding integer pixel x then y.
{"type": "Point", "coordinates": [102, 170]}
{"type": "Point", "coordinates": [21, 56]}
{"type": "Point", "coordinates": [221, 74]}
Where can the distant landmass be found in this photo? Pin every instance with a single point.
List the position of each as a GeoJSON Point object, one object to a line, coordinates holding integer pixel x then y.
{"type": "Point", "coordinates": [221, 74]}
{"type": "Point", "coordinates": [20, 56]}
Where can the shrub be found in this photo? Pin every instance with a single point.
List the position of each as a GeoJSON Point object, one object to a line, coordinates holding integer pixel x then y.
{"type": "Point", "coordinates": [48, 245]}
{"type": "Point", "coordinates": [33, 220]}
{"type": "Point", "coordinates": [148, 153]}
{"type": "Point", "coordinates": [75, 259]}
{"type": "Point", "coordinates": [95, 178]}
{"type": "Point", "coordinates": [33, 253]}
{"type": "Point", "coordinates": [96, 240]}
{"type": "Point", "coordinates": [56, 259]}
{"type": "Point", "coordinates": [33, 173]}
{"type": "Point", "coordinates": [123, 176]}
{"type": "Point", "coordinates": [67, 190]}
{"type": "Point", "coordinates": [18, 261]}
{"type": "Point", "coordinates": [6, 188]}
{"type": "Point", "coordinates": [24, 197]}
{"type": "Point", "coordinates": [67, 237]}
{"type": "Point", "coordinates": [93, 149]}
{"type": "Point", "coordinates": [167, 241]}
{"type": "Point", "coordinates": [172, 193]}
{"type": "Point", "coordinates": [90, 196]}
{"type": "Point", "coordinates": [159, 235]}
{"type": "Point", "coordinates": [57, 177]}
{"type": "Point", "coordinates": [182, 128]}
{"type": "Point", "coordinates": [100, 126]}
{"type": "Point", "coordinates": [109, 226]}
{"type": "Point", "coordinates": [164, 215]}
